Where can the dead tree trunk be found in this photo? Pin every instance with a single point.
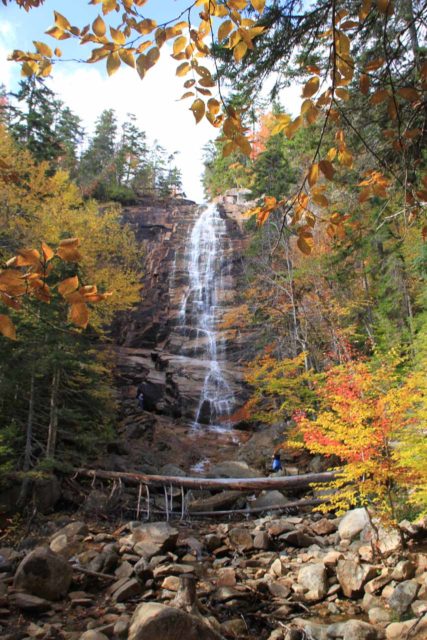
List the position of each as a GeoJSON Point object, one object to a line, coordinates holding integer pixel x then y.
{"type": "Point", "coordinates": [53, 415]}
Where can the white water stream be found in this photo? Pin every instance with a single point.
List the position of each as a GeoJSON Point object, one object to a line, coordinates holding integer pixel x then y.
{"type": "Point", "coordinates": [199, 312]}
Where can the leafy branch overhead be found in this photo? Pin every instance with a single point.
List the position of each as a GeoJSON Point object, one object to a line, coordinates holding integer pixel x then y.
{"type": "Point", "coordinates": [388, 78]}
{"type": "Point", "coordinates": [27, 275]}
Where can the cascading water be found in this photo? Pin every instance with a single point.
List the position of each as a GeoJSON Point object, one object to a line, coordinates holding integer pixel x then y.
{"type": "Point", "coordinates": [199, 312]}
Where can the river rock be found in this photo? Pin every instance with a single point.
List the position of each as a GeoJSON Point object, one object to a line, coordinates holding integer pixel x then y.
{"type": "Point", "coordinates": [379, 615]}
{"type": "Point", "coordinates": [233, 469]}
{"type": "Point", "coordinates": [415, 629]}
{"type": "Point", "coordinates": [240, 538]}
{"type": "Point", "coordinates": [352, 576]}
{"type": "Point", "coordinates": [312, 630]}
{"type": "Point", "coordinates": [152, 621]}
{"type": "Point", "coordinates": [403, 595]}
{"type": "Point", "coordinates": [352, 524]}
{"type": "Point", "coordinates": [129, 589]}
{"type": "Point", "coordinates": [269, 499]}
{"type": "Point", "coordinates": [404, 570]}
{"type": "Point", "coordinates": [262, 540]}
{"type": "Point", "coordinates": [30, 603]}
{"type": "Point", "coordinates": [323, 527]}
{"type": "Point", "coordinates": [153, 538]}
{"type": "Point", "coordinates": [359, 630]}
{"type": "Point", "coordinates": [93, 635]}
{"type": "Point", "coordinates": [313, 578]}
{"type": "Point", "coordinates": [43, 573]}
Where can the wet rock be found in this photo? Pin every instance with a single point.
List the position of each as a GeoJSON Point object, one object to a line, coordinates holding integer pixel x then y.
{"type": "Point", "coordinates": [352, 524]}
{"type": "Point", "coordinates": [43, 573]}
{"type": "Point", "coordinates": [314, 580]}
{"type": "Point", "coordinates": [352, 576]}
{"type": "Point", "coordinates": [152, 621]}
{"type": "Point", "coordinates": [403, 595]}
{"type": "Point", "coordinates": [30, 603]}
{"type": "Point", "coordinates": [240, 539]}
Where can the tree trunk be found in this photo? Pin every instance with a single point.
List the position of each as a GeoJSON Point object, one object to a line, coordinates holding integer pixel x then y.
{"type": "Point", "coordinates": [243, 484]}
{"type": "Point", "coordinates": [29, 436]}
{"type": "Point", "coordinates": [53, 417]}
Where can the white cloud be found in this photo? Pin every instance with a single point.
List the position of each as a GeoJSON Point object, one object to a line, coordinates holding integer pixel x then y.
{"type": "Point", "coordinates": [7, 42]}
{"type": "Point", "coordinates": [154, 100]}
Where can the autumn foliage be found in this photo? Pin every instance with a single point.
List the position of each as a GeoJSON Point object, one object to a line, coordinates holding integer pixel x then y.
{"type": "Point", "coordinates": [367, 414]}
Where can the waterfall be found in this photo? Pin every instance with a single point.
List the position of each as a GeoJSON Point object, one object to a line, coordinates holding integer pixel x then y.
{"type": "Point", "coordinates": [205, 255]}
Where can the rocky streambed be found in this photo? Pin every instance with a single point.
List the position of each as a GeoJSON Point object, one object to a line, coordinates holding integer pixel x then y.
{"type": "Point", "coordinates": [290, 577]}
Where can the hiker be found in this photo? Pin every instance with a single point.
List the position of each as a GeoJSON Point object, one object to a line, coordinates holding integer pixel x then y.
{"type": "Point", "coordinates": [140, 396]}
{"type": "Point", "coordinates": [276, 464]}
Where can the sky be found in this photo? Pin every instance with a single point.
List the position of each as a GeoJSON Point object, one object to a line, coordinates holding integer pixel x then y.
{"type": "Point", "coordinates": [88, 90]}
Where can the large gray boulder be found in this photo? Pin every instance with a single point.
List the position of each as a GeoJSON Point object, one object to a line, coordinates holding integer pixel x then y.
{"type": "Point", "coordinates": [44, 574]}
{"type": "Point", "coordinates": [403, 595]}
{"type": "Point", "coordinates": [314, 580]}
{"type": "Point", "coordinates": [269, 499]}
{"type": "Point", "coordinates": [352, 524]}
{"type": "Point", "coordinates": [153, 538]}
{"type": "Point", "coordinates": [152, 621]}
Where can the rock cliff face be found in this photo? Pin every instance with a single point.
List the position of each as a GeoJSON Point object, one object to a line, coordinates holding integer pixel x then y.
{"type": "Point", "coordinates": [158, 345]}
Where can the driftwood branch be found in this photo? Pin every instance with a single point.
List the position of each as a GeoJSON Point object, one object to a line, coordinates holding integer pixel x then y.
{"type": "Point", "coordinates": [240, 484]}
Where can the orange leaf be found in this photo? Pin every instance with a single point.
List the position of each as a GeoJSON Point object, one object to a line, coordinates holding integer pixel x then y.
{"type": "Point", "coordinates": [79, 314]}
{"type": "Point", "coordinates": [327, 169]}
{"type": "Point", "coordinates": [7, 328]}
{"type": "Point", "coordinates": [68, 286]}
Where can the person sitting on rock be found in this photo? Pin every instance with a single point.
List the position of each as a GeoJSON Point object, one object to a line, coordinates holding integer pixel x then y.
{"type": "Point", "coordinates": [276, 464]}
{"type": "Point", "coordinates": [140, 396]}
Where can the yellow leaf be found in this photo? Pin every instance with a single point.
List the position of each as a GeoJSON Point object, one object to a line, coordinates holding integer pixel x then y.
{"type": "Point", "coordinates": [313, 68]}
{"type": "Point", "coordinates": [311, 87]}
{"type": "Point", "coordinates": [228, 148]}
{"type": "Point", "coordinates": [224, 30]}
{"type": "Point", "coordinates": [61, 21]}
{"type": "Point", "coordinates": [206, 82]}
{"type": "Point", "coordinates": [187, 94]}
{"type": "Point", "coordinates": [365, 9]}
{"type": "Point", "coordinates": [48, 253]}
{"type": "Point", "coordinates": [113, 63]}
{"type": "Point", "coordinates": [117, 36]}
{"type": "Point", "coordinates": [146, 26]}
{"type": "Point", "coordinates": [213, 106]}
{"type": "Point", "coordinates": [189, 83]}
{"type": "Point", "coordinates": [179, 44]}
{"type": "Point", "coordinates": [320, 199]}
{"type": "Point", "coordinates": [57, 33]}
{"type": "Point", "coordinates": [7, 328]}
{"type": "Point", "coordinates": [258, 5]}
{"type": "Point", "coordinates": [68, 285]}
{"type": "Point", "coordinates": [293, 127]}
{"type": "Point", "coordinates": [305, 242]}
{"type": "Point", "coordinates": [43, 49]}
{"type": "Point", "coordinates": [313, 174]}
{"type": "Point", "coordinates": [152, 57]}
{"type": "Point", "coordinates": [79, 314]}
{"type": "Point", "coordinates": [244, 145]}
{"type": "Point", "coordinates": [240, 50]}
{"type": "Point", "coordinates": [343, 94]}
{"type": "Point", "coordinates": [198, 109]}
{"type": "Point", "coordinates": [127, 57]}
{"type": "Point", "coordinates": [327, 169]}
{"type": "Point", "coordinates": [98, 27]}
{"type": "Point", "coordinates": [183, 69]}
{"type": "Point", "coordinates": [345, 158]}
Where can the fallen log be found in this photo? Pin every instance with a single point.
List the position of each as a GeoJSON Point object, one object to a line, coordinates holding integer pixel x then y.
{"type": "Point", "coordinates": [240, 484]}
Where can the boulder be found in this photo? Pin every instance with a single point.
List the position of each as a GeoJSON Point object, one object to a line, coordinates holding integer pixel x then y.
{"type": "Point", "coordinates": [313, 578]}
{"type": "Point", "coordinates": [269, 499]}
{"type": "Point", "coordinates": [30, 603]}
{"type": "Point", "coordinates": [415, 629]}
{"type": "Point", "coordinates": [262, 540]}
{"type": "Point", "coordinates": [93, 635]}
{"type": "Point", "coordinates": [359, 630]}
{"type": "Point", "coordinates": [152, 621]}
{"type": "Point", "coordinates": [240, 538]}
{"type": "Point", "coordinates": [352, 576]}
{"type": "Point", "coordinates": [153, 538]}
{"type": "Point", "coordinates": [403, 595]}
{"type": "Point", "coordinates": [43, 573]}
{"type": "Point", "coordinates": [221, 500]}
{"type": "Point", "coordinates": [352, 524]}
{"type": "Point", "coordinates": [233, 469]}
